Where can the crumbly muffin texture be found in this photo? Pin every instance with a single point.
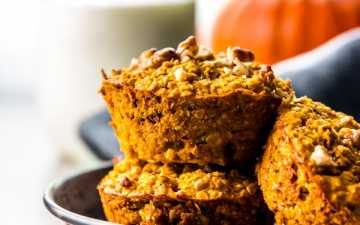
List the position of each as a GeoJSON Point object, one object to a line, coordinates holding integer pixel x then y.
{"type": "Point", "coordinates": [136, 192]}
{"type": "Point", "coordinates": [187, 105]}
{"type": "Point", "coordinates": [310, 171]}
{"type": "Point", "coordinates": [192, 70]}
{"type": "Point", "coordinates": [133, 177]}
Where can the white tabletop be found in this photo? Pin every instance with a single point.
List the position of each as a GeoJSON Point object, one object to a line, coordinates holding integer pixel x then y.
{"type": "Point", "coordinates": [27, 163]}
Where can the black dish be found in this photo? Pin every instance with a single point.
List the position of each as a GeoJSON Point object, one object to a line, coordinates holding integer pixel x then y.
{"type": "Point", "coordinates": [74, 199]}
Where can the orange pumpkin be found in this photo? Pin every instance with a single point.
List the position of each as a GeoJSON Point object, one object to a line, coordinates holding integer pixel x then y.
{"type": "Point", "coordinates": [278, 29]}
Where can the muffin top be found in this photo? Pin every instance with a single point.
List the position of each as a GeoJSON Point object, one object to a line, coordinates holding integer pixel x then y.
{"type": "Point", "coordinates": [329, 142]}
{"type": "Point", "coordinates": [193, 70]}
{"type": "Point", "coordinates": [135, 178]}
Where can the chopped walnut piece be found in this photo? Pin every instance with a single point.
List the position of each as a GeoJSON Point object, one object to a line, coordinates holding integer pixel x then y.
{"type": "Point", "coordinates": [241, 69]}
{"type": "Point", "coordinates": [238, 55]}
{"type": "Point", "coordinates": [179, 74]}
{"type": "Point", "coordinates": [204, 53]}
{"type": "Point", "coordinates": [125, 182]}
{"type": "Point", "coordinates": [344, 121]}
{"type": "Point", "coordinates": [320, 157]}
{"type": "Point", "coordinates": [350, 136]}
{"type": "Point", "coordinates": [180, 194]}
{"type": "Point", "coordinates": [147, 54]}
{"type": "Point", "coordinates": [355, 138]}
{"type": "Point", "coordinates": [165, 54]}
{"type": "Point", "coordinates": [134, 63]}
{"type": "Point", "coordinates": [201, 184]}
{"type": "Point", "coordinates": [188, 48]}
{"type": "Point", "coordinates": [145, 60]}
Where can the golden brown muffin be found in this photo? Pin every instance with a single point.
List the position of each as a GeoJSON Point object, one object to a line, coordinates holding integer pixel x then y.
{"type": "Point", "coordinates": [190, 106]}
{"type": "Point", "coordinates": [135, 192]}
{"type": "Point", "coordinates": [310, 171]}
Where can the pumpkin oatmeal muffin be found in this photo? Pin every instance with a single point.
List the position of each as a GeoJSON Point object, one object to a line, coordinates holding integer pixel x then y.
{"type": "Point", "coordinates": [310, 171]}
{"type": "Point", "coordinates": [187, 105]}
{"type": "Point", "coordinates": [136, 192]}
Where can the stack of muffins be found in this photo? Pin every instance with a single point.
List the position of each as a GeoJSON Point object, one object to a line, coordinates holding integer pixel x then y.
{"type": "Point", "coordinates": [192, 125]}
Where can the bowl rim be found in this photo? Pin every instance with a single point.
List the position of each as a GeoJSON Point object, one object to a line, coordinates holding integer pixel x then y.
{"type": "Point", "coordinates": [64, 214]}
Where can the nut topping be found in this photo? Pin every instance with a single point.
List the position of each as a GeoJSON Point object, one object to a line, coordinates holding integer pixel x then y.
{"type": "Point", "coordinates": [350, 136]}
{"type": "Point", "coordinates": [165, 54]}
{"type": "Point", "coordinates": [201, 184]}
{"type": "Point", "coordinates": [204, 53]}
{"type": "Point", "coordinates": [321, 158]}
{"type": "Point", "coordinates": [355, 138]}
{"type": "Point", "coordinates": [188, 48]}
{"type": "Point", "coordinates": [194, 70]}
{"type": "Point", "coordinates": [125, 182]}
{"type": "Point", "coordinates": [238, 55]}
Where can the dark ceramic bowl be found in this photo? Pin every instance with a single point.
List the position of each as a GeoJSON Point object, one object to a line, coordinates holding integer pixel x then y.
{"type": "Point", "coordinates": [74, 199]}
